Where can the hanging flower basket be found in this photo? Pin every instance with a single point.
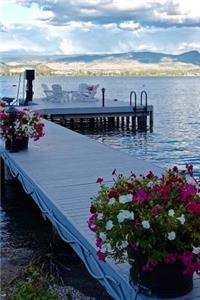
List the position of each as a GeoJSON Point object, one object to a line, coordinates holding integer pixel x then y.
{"type": "Point", "coordinates": [153, 223]}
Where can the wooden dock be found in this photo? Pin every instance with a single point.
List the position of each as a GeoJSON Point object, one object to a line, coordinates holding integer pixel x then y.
{"type": "Point", "coordinates": [112, 114]}
{"type": "Point", "coordinates": [59, 172]}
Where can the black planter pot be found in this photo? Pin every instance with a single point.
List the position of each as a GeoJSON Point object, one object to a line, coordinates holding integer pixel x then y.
{"type": "Point", "coordinates": [165, 281]}
{"type": "Point", "coordinates": [8, 144]}
{"type": "Point", "coordinates": [22, 143]}
{"type": "Point", "coordinates": [15, 145]}
{"type": "Point", "coordinates": [11, 145]}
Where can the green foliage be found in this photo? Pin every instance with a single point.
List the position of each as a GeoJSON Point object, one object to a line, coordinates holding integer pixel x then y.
{"type": "Point", "coordinates": [28, 291]}
{"type": "Point", "coordinates": [34, 287]}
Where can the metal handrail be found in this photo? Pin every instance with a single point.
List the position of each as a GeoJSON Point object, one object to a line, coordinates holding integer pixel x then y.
{"type": "Point", "coordinates": [141, 97]}
{"type": "Point", "coordinates": [135, 98]}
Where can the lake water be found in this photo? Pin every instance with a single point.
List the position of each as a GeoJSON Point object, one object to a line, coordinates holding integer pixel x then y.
{"type": "Point", "coordinates": [175, 139]}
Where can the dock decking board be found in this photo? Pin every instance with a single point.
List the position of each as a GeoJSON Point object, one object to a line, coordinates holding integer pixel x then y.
{"type": "Point", "coordinates": [60, 173]}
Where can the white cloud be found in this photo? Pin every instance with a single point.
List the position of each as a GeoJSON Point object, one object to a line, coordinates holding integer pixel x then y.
{"type": "Point", "coordinates": [129, 25]}
{"type": "Point", "coordinates": [189, 46]}
{"type": "Point", "coordinates": [102, 26]}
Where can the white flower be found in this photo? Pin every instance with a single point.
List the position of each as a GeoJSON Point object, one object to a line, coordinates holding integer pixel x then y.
{"type": "Point", "coordinates": [125, 198]}
{"type": "Point", "coordinates": [196, 250]}
{"type": "Point", "coordinates": [132, 216]}
{"type": "Point", "coordinates": [102, 236]}
{"type": "Point", "coordinates": [146, 224]}
{"type": "Point", "coordinates": [106, 248]}
{"type": "Point", "coordinates": [181, 219]}
{"type": "Point", "coordinates": [150, 184]}
{"type": "Point", "coordinates": [171, 236]}
{"type": "Point", "coordinates": [109, 225]}
{"type": "Point", "coordinates": [100, 216]}
{"type": "Point", "coordinates": [111, 201]}
{"type": "Point", "coordinates": [125, 214]}
{"type": "Point", "coordinates": [171, 212]}
{"type": "Point", "coordinates": [124, 244]}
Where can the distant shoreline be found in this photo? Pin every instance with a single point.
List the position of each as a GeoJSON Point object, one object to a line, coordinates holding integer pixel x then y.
{"type": "Point", "coordinates": [110, 73]}
{"type": "Point", "coordinates": [121, 67]}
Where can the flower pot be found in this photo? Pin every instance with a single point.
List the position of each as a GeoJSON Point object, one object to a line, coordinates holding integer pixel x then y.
{"type": "Point", "coordinates": [8, 144]}
{"type": "Point", "coordinates": [22, 143]}
{"type": "Point", "coordinates": [164, 281]}
{"type": "Point", "coordinates": [11, 145]}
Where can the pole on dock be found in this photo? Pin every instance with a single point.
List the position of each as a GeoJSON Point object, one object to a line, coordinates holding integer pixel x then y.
{"type": "Point", "coordinates": [2, 180]}
{"type": "Point", "coordinates": [103, 96]}
{"type": "Point", "coordinates": [151, 119]}
{"type": "Point", "coordinates": [29, 76]}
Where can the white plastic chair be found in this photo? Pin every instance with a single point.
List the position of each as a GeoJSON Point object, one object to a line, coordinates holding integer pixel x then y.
{"type": "Point", "coordinates": [48, 93]}
{"type": "Point", "coordinates": [57, 94]}
{"type": "Point", "coordinates": [85, 92]}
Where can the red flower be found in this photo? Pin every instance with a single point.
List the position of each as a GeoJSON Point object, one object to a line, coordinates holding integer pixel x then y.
{"type": "Point", "coordinates": [113, 194]}
{"type": "Point", "coordinates": [93, 209]}
{"type": "Point", "coordinates": [175, 169]}
{"type": "Point", "coordinates": [99, 180]}
{"type": "Point", "coordinates": [189, 169]}
{"type": "Point", "coordinates": [150, 175]}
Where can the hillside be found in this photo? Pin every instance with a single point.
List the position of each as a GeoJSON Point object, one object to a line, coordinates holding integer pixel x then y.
{"type": "Point", "coordinates": [131, 63]}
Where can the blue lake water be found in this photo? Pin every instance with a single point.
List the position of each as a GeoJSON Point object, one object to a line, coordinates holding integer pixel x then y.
{"type": "Point", "coordinates": [176, 134]}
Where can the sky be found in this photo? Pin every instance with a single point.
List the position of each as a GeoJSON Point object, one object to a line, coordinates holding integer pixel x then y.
{"type": "Point", "coordinates": [99, 26]}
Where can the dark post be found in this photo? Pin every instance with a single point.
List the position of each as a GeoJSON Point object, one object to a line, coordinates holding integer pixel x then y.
{"type": "Point", "coordinates": [2, 180]}
{"type": "Point", "coordinates": [12, 116]}
{"type": "Point", "coordinates": [29, 76]}
{"type": "Point", "coordinates": [103, 96]}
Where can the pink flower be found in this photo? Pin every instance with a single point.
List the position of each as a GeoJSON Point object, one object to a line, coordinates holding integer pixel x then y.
{"type": "Point", "coordinates": [170, 258]}
{"type": "Point", "coordinates": [3, 116]}
{"type": "Point", "coordinates": [187, 258]}
{"type": "Point", "coordinates": [155, 210]}
{"type": "Point", "coordinates": [135, 247]}
{"type": "Point", "coordinates": [90, 87]}
{"type": "Point", "coordinates": [101, 255]}
{"type": "Point", "coordinates": [98, 242]}
{"type": "Point", "coordinates": [147, 268]}
{"type": "Point", "coordinates": [194, 207]}
{"type": "Point", "coordinates": [91, 222]}
{"type": "Point", "coordinates": [141, 196]}
{"type": "Point", "coordinates": [153, 263]}
{"type": "Point", "coordinates": [187, 191]}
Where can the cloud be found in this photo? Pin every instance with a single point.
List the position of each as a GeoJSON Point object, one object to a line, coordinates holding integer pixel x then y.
{"type": "Point", "coordinates": [147, 12]}
{"type": "Point", "coordinates": [103, 26]}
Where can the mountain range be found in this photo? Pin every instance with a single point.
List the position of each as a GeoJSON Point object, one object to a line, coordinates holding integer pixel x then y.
{"type": "Point", "coordinates": [192, 57]}
{"type": "Point", "coordinates": [130, 63]}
